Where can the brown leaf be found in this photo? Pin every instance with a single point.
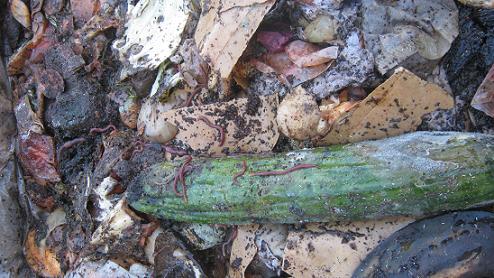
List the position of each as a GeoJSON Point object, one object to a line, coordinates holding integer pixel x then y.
{"type": "Point", "coordinates": [274, 41]}
{"type": "Point", "coordinates": [393, 108]}
{"type": "Point", "coordinates": [291, 73]}
{"type": "Point", "coordinates": [305, 54]}
{"type": "Point", "coordinates": [42, 260]}
{"type": "Point", "coordinates": [483, 99]}
{"type": "Point", "coordinates": [244, 249]}
{"type": "Point", "coordinates": [37, 156]}
{"type": "Point", "coordinates": [50, 7]}
{"type": "Point", "coordinates": [21, 13]}
{"type": "Point", "coordinates": [249, 125]}
{"type": "Point", "coordinates": [327, 250]}
{"type": "Point", "coordinates": [225, 29]}
{"type": "Point", "coordinates": [49, 82]}
{"type": "Point", "coordinates": [83, 10]}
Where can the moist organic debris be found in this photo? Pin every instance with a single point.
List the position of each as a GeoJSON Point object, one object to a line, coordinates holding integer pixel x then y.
{"type": "Point", "coordinates": [133, 114]}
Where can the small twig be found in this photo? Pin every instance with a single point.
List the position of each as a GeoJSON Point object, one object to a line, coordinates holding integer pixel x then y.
{"type": "Point", "coordinates": [70, 144]}
{"type": "Point", "coordinates": [231, 238]}
{"type": "Point", "coordinates": [95, 130]}
{"type": "Point", "coordinates": [220, 129]}
{"type": "Point", "coordinates": [284, 172]}
{"type": "Point", "coordinates": [241, 173]}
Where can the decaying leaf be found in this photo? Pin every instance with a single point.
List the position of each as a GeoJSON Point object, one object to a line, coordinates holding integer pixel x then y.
{"type": "Point", "coordinates": [153, 33]}
{"type": "Point", "coordinates": [247, 124]}
{"type": "Point", "coordinates": [393, 108]}
{"type": "Point", "coordinates": [325, 250]}
{"type": "Point", "coordinates": [290, 73]}
{"type": "Point", "coordinates": [21, 13]}
{"type": "Point", "coordinates": [225, 28]}
{"type": "Point", "coordinates": [37, 156]}
{"type": "Point", "coordinates": [244, 249]}
{"type": "Point", "coordinates": [33, 51]}
{"type": "Point", "coordinates": [83, 10]}
{"type": "Point", "coordinates": [274, 41]}
{"type": "Point", "coordinates": [483, 99]}
{"type": "Point", "coordinates": [41, 259]}
{"type": "Point", "coordinates": [304, 54]}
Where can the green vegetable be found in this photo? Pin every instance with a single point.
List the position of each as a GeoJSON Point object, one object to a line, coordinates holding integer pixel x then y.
{"type": "Point", "coordinates": [416, 174]}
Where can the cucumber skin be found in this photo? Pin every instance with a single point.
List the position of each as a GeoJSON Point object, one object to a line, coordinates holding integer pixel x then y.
{"type": "Point", "coordinates": [416, 174]}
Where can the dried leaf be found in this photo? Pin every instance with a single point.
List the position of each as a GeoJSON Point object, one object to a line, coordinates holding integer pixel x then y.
{"type": "Point", "coordinates": [304, 54]}
{"type": "Point", "coordinates": [291, 73]}
{"type": "Point", "coordinates": [274, 41]}
{"type": "Point", "coordinates": [37, 156]}
{"type": "Point", "coordinates": [483, 99]}
{"type": "Point", "coordinates": [49, 82]}
{"type": "Point", "coordinates": [325, 250]}
{"type": "Point", "coordinates": [394, 108]}
{"type": "Point", "coordinates": [83, 10]}
{"type": "Point", "coordinates": [244, 249]}
{"type": "Point", "coordinates": [21, 13]}
{"type": "Point", "coordinates": [41, 259]}
{"type": "Point", "coordinates": [249, 125]}
{"type": "Point", "coordinates": [225, 29]}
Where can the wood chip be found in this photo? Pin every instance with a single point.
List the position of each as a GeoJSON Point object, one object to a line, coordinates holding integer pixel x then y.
{"type": "Point", "coordinates": [393, 108]}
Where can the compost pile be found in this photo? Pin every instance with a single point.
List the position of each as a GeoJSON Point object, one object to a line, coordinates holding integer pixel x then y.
{"type": "Point", "coordinates": [132, 130]}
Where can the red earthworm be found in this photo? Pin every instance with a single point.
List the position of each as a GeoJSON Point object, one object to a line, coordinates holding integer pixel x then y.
{"type": "Point", "coordinates": [70, 144]}
{"type": "Point", "coordinates": [182, 177]}
{"type": "Point", "coordinates": [191, 96]}
{"type": "Point", "coordinates": [179, 175]}
{"type": "Point", "coordinates": [220, 129]}
{"type": "Point", "coordinates": [241, 173]}
{"type": "Point", "coordinates": [231, 238]}
{"type": "Point", "coordinates": [95, 130]}
{"type": "Point", "coordinates": [283, 172]}
{"type": "Point", "coordinates": [172, 150]}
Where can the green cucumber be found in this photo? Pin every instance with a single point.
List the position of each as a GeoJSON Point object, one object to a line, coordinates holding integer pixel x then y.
{"type": "Point", "coordinates": [416, 174]}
